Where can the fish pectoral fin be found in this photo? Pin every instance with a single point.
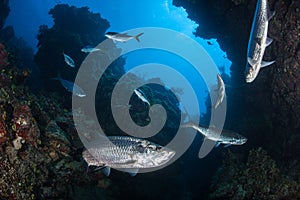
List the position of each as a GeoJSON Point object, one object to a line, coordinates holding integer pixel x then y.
{"type": "Point", "coordinates": [251, 61]}
{"type": "Point", "coordinates": [269, 41]}
{"type": "Point", "coordinates": [131, 172]}
{"type": "Point", "coordinates": [227, 145]}
{"type": "Point", "coordinates": [271, 14]}
{"type": "Point", "coordinates": [266, 63]}
{"type": "Point", "coordinates": [206, 147]}
{"type": "Point", "coordinates": [106, 171]}
{"type": "Point", "coordinates": [217, 144]}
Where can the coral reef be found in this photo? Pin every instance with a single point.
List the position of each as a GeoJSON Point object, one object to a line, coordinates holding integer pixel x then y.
{"type": "Point", "coordinates": [40, 152]}
{"type": "Point", "coordinates": [258, 178]}
{"type": "Point", "coordinates": [3, 56]}
{"type": "Point", "coordinates": [267, 110]}
{"type": "Point", "coordinates": [285, 89]}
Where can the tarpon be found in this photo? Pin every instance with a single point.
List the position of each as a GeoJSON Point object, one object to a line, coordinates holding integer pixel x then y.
{"type": "Point", "coordinates": [141, 96]}
{"type": "Point", "coordinates": [69, 60]}
{"type": "Point", "coordinates": [122, 37]}
{"type": "Point", "coordinates": [221, 91]}
{"type": "Point", "coordinates": [225, 137]}
{"type": "Point", "coordinates": [127, 153]}
{"type": "Point", "coordinates": [71, 87]}
{"type": "Point", "coordinates": [89, 49]}
{"type": "Point", "coordinates": [258, 41]}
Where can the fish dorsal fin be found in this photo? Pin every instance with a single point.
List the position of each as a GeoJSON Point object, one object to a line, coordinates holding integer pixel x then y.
{"type": "Point", "coordinates": [213, 126]}
{"type": "Point", "coordinates": [106, 171]}
{"type": "Point", "coordinates": [251, 61]}
{"type": "Point", "coordinates": [227, 145]}
{"type": "Point", "coordinates": [266, 63]}
{"type": "Point", "coordinates": [269, 41]}
{"type": "Point", "coordinates": [270, 13]}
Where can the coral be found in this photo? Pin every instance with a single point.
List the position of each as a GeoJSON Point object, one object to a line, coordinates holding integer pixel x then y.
{"type": "Point", "coordinates": [274, 109]}
{"type": "Point", "coordinates": [3, 56]}
{"type": "Point", "coordinates": [40, 152]}
{"type": "Point", "coordinates": [17, 176]}
{"type": "Point", "coordinates": [24, 125]}
{"type": "Point", "coordinates": [3, 132]}
{"type": "Point", "coordinates": [259, 178]}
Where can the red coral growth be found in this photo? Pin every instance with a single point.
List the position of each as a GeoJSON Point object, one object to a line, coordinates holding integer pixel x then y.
{"type": "Point", "coordinates": [3, 132]}
{"type": "Point", "coordinates": [4, 80]}
{"type": "Point", "coordinates": [3, 56]}
{"type": "Point", "coordinates": [25, 125]}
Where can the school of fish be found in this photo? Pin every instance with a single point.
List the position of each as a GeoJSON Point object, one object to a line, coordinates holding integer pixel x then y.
{"type": "Point", "coordinates": [131, 154]}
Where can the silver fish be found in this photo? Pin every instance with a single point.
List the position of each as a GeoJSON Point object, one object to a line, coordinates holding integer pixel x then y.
{"type": "Point", "coordinates": [141, 96]}
{"type": "Point", "coordinates": [122, 37]}
{"type": "Point", "coordinates": [69, 60]}
{"type": "Point", "coordinates": [127, 153]}
{"type": "Point", "coordinates": [221, 91]}
{"type": "Point", "coordinates": [89, 49]}
{"type": "Point", "coordinates": [226, 137]}
{"type": "Point", "coordinates": [258, 41]}
{"type": "Point", "coordinates": [71, 87]}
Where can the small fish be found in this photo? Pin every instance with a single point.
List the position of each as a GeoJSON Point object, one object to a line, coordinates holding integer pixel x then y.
{"type": "Point", "coordinates": [127, 153]}
{"type": "Point", "coordinates": [69, 60]}
{"type": "Point", "coordinates": [122, 37]}
{"type": "Point", "coordinates": [89, 49]}
{"type": "Point", "coordinates": [226, 137]}
{"type": "Point", "coordinates": [221, 91]}
{"type": "Point", "coordinates": [71, 87]}
{"type": "Point", "coordinates": [141, 96]}
{"type": "Point", "coordinates": [258, 41]}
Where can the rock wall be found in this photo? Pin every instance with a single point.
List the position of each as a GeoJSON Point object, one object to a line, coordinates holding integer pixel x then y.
{"type": "Point", "coordinates": [4, 11]}
{"type": "Point", "coordinates": [267, 110]}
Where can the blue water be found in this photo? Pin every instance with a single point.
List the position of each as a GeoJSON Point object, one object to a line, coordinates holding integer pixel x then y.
{"type": "Point", "coordinates": [27, 16]}
{"type": "Point", "coordinates": [189, 175]}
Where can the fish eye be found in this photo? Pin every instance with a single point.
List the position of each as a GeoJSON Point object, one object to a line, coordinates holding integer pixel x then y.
{"type": "Point", "coordinates": [143, 144]}
{"type": "Point", "coordinates": [140, 148]}
{"type": "Point", "coordinates": [152, 147]}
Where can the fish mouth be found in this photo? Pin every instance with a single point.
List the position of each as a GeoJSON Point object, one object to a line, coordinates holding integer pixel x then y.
{"type": "Point", "coordinates": [244, 141]}
{"type": "Point", "coordinates": [249, 78]}
{"type": "Point", "coordinates": [165, 157]}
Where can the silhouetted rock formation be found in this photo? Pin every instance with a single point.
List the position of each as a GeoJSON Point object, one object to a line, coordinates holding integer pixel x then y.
{"type": "Point", "coordinates": [267, 111]}
{"type": "Point", "coordinates": [4, 11]}
{"type": "Point", "coordinates": [73, 29]}
{"type": "Point", "coordinates": [271, 102]}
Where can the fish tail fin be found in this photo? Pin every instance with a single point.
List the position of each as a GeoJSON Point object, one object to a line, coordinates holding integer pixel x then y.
{"type": "Point", "coordinates": [137, 37]}
{"type": "Point", "coordinates": [270, 14]}
{"type": "Point", "coordinates": [57, 78]}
